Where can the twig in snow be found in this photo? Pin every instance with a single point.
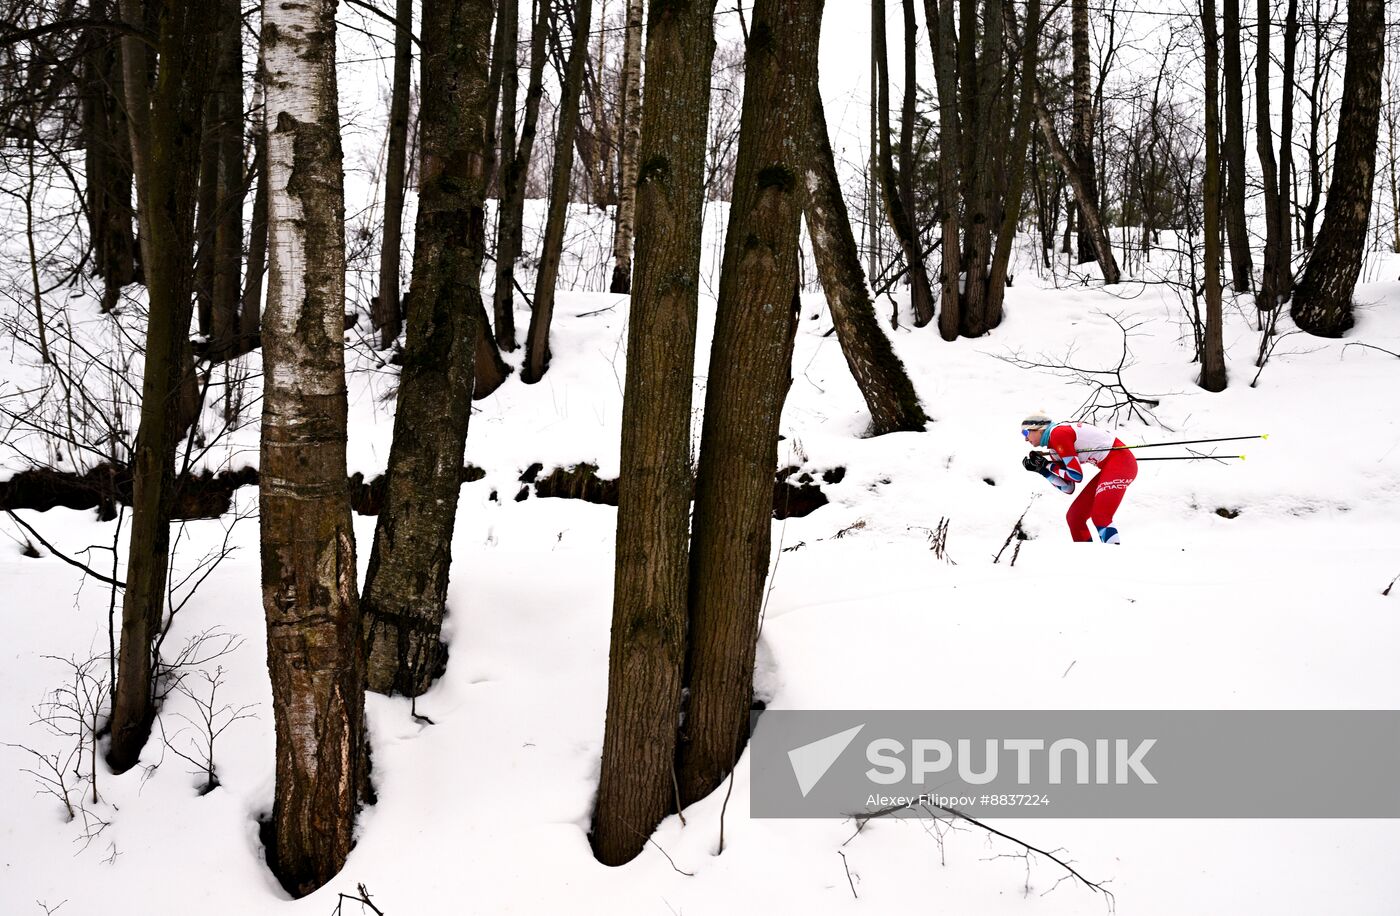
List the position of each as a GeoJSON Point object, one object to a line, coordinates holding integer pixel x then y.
{"type": "Point", "coordinates": [1386, 591]}
{"type": "Point", "coordinates": [847, 866]}
{"type": "Point", "coordinates": [724, 808]}
{"type": "Point", "coordinates": [1016, 532]}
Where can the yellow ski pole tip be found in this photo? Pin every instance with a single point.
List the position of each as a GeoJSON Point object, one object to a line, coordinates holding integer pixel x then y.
{"type": "Point", "coordinates": [1241, 457]}
{"type": "Point", "coordinates": [1265, 436]}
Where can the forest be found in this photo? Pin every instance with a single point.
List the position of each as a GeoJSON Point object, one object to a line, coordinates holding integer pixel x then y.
{"type": "Point", "coordinates": [434, 434]}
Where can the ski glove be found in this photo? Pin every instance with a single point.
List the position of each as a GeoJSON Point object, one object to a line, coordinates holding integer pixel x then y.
{"type": "Point", "coordinates": [1064, 486]}
{"type": "Point", "coordinates": [1035, 462]}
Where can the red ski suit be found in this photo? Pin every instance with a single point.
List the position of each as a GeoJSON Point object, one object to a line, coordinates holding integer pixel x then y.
{"type": "Point", "coordinates": [1100, 497]}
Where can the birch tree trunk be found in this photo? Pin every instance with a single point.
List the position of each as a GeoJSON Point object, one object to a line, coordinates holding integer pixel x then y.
{"type": "Point", "coordinates": [1322, 302]}
{"type": "Point", "coordinates": [405, 596]}
{"type": "Point", "coordinates": [308, 545]}
{"type": "Point", "coordinates": [749, 376]}
{"type": "Point", "coordinates": [630, 136]}
{"type": "Point", "coordinates": [1083, 140]}
{"type": "Point", "coordinates": [646, 654]}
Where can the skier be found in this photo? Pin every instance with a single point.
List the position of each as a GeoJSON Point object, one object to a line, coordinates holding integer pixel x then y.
{"type": "Point", "coordinates": [1069, 444]}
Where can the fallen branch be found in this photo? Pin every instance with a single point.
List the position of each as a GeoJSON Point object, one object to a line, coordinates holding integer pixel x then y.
{"type": "Point", "coordinates": [61, 555]}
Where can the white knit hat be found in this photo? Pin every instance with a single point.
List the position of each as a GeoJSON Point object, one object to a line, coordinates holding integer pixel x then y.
{"type": "Point", "coordinates": [1035, 421]}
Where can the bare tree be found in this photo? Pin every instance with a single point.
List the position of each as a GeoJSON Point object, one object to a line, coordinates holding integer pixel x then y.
{"type": "Point", "coordinates": [165, 144]}
{"type": "Point", "coordinates": [387, 313]}
{"type": "Point", "coordinates": [542, 315]}
{"type": "Point", "coordinates": [515, 170]}
{"type": "Point", "coordinates": [405, 595]}
{"type": "Point", "coordinates": [1241, 265]}
{"type": "Point", "coordinates": [749, 375]}
{"type": "Point", "coordinates": [888, 392]}
{"type": "Point", "coordinates": [898, 208]}
{"type": "Point", "coordinates": [646, 655]}
{"type": "Point", "coordinates": [308, 544]}
{"type": "Point", "coordinates": [1213, 349]}
{"type": "Point", "coordinates": [1322, 302]}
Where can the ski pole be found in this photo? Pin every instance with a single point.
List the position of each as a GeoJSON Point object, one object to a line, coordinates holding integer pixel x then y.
{"type": "Point", "coordinates": [1119, 448]}
{"type": "Point", "coordinates": [1194, 458]}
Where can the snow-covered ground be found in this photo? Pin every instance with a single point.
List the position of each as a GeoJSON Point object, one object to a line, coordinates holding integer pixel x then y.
{"type": "Point", "coordinates": [487, 809]}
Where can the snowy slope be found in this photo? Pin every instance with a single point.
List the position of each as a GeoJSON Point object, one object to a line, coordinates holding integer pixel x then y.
{"type": "Point", "coordinates": [486, 810]}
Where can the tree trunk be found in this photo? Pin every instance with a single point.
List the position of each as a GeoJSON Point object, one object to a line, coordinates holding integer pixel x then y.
{"type": "Point", "coordinates": [1284, 286]}
{"type": "Point", "coordinates": [165, 146]}
{"type": "Point", "coordinates": [897, 208]}
{"type": "Point", "coordinates": [405, 596]}
{"type": "Point", "coordinates": [1212, 345]}
{"type": "Point", "coordinates": [889, 394]}
{"type": "Point", "coordinates": [509, 227]}
{"type": "Point", "coordinates": [938, 15]}
{"type": "Point", "coordinates": [308, 544]}
{"type": "Point", "coordinates": [250, 319]}
{"type": "Point", "coordinates": [1084, 130]}
{"type": "Point", "coordinates": [630, 136]}
{"type": "Point", "coordinates": [107, 154]}
{"type": "Point", "coordinates": [982, 146]}
{"type": "Point", "coordinates": [537, 339]}
{"type": "Point", "coordinates": [1016, 159]}
{"type": "Point", "coordinates": [647, 649]}
{"type": "Point", "coordinates": [1322, 302]}
{"type": "Point", "coordinates": [1241, 265]}
{"type": "Point", "coordinates": [387, 310]}
{"type": "Point", "coordinates": [1087, 210]}
{"type": "Point", "coordinates": [1266, 299]}
{"type": "Point", "coordinates": [750, 373]}
{"type": "Point", "coordinates": [227, 252]}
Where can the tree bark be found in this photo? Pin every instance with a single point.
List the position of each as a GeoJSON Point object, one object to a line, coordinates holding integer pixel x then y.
{"type": "Point", "coordinates": [510, 225]}
{"type": "Point", "coordinates": [1087, 210]}
{"type": "Point", "coordinates": [749, 376]}
{"type": "Point", "coordinates": [542, 316]}
{"type": "Point", "coordinates": [1284, 287]}
{"type": "Point", "coordinates": [250, 318]}
{"type": "Point", "coordinates": [107, 154]}
{"type": "Point", "coordinates": [1241, 264]}
{"type": "Point", "coordinates": [1084, 129]}
{"type": "Point", "coordinates": [938, 17]}
{"type": "Point", "coordinates": [1212, 345]}
{"type": "Point", "coordinates": [227, 251]}
{"type": "Point", "coordinates": [1266, 298]}
{"type": "Point", "coordinates": [898, 210]}
{"type": "Point", "coordinates": [165, 145]}
{"type": "Point", "coordinates": [1322, 302]}
{"type": "Point", "coordinates": [631, 134]}
{"type": "Point", "coordinates": [387, 311]}
{"type": "Point", "coordinates": [1022, 127]}
{"type": "Point", "coordinates": [308, 544]}
{"type": "Point", "coordinates": [889, 394]}
{"type": "Point", "coordinates": [647, 649]}
{"type": "Point", "coordinates": [405, 595]}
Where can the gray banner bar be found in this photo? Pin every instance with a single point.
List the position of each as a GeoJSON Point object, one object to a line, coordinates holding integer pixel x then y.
{"type": "Point", "coordinates": [1081, 763]}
